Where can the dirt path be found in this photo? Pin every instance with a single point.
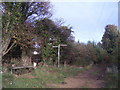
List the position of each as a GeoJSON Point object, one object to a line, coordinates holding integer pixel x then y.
{"type": "Point", "coordinates": [92, 78]}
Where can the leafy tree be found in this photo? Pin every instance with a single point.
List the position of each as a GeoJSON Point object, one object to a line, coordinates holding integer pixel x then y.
{"type": "Point", "coordinates": [9, 20]}
{"type": "Point", "coordinates": [17, 30]}
{"type": "Point", "coordinates": [15, 13]}
{"type": "Point", "coordinates": [109, 39]}
{"type": "Point", "coordinates": [29, 11]}
{"type": "Point", "coordinates": [47, 29]}
{"type": "Point", "coordinates": [65, 33]}
{"type": "Point", "coordinates": [110, 42]}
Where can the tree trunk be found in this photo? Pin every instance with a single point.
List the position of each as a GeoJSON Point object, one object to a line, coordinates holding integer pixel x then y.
{"type": "Point", "coordinates": [26, 59]}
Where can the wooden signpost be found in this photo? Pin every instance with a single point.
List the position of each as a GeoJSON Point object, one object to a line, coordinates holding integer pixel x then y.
{"type": "Point", "coordinates": [63, 45]}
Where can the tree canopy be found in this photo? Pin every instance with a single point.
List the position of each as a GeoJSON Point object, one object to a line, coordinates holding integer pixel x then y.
{"type": "Point", "coordinates": [110, 38]}
{"type": "Point", "coordinates": [15, 16]}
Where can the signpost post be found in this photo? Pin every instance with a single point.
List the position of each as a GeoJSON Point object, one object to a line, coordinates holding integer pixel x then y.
{"type": "Point", "coordinates": [63, 45]}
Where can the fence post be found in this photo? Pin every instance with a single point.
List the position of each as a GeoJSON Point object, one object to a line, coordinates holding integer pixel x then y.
{"type": "Point", "coordinates": [58, 55]}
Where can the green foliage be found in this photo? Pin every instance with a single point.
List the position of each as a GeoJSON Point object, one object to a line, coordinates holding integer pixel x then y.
{"type": "Point", "coordinates": [48, 29]}
{"type": "Point", "coordinates": [15, 17]}
{"type": "Point", "coordinates": [109, 39]}
{"type": "Point", "coordinates": [110, 42]}
{"type": "Point", "coordinates": [11, 15]}
{"type": "Point", "coordinates": [85, 54]}
{"type": "Point", "coordinates": [48, 54]}
{"type": "Point", "coordinates": [101, 55]}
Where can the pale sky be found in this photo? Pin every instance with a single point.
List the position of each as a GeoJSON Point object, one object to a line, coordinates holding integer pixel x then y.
{"type": "Point", "coordinates": [88, 19]}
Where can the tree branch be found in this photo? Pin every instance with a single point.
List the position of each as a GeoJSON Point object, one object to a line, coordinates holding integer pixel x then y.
{"type": "Point", "coordinates": [6, 44]}
{"type": "Point", "coordinates": [8, 49]}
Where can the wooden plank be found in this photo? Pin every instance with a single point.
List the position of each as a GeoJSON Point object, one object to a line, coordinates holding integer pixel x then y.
{"type": "Point", "coordinates": [23, 67]}
{"type": "Point", "coordinates": [13, 68]}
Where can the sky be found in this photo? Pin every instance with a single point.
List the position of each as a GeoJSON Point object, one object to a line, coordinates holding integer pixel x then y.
{"type": "Point", "coordinates": [88, 19]}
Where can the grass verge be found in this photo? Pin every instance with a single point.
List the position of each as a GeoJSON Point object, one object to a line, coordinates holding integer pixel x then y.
{"type": "Point", "coordinates": [111, 80]}
{"type": "Point", "coordinates": [40, 77]}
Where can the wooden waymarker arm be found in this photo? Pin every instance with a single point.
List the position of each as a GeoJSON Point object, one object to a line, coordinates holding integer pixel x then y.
{"type": "Point", "coordinates": [54, 46]}
{"type": "Point", "coordinates": [63, 45]}
{"type": "Point", "coordinates": [59, 45]}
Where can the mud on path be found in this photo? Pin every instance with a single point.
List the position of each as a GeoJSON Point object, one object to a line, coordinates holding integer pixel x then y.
{"type": "Point", "coordinates": [91, 78]}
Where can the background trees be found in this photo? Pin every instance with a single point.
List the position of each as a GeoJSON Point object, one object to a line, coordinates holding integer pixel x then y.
{"type": "Point", "coordinates": [85, 54]}
{"type": "Point", "coordinates": [27, 22]}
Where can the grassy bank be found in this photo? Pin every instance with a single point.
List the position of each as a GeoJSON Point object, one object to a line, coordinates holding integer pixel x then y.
{"type": "Point", "coordinates": [40, 77]}
{"type": "Point", "coordinates": [111, 80]}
